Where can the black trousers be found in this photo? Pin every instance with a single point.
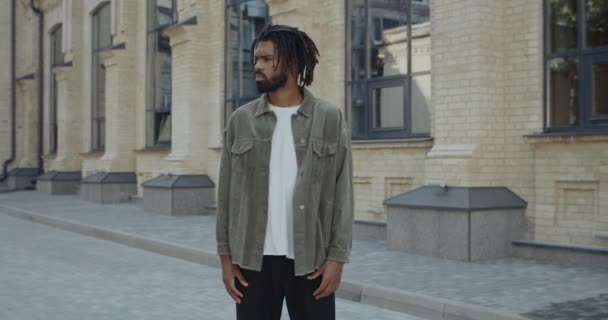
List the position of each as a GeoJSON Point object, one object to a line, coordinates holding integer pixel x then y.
{"type": "Point", "coordinates": [263, 298]}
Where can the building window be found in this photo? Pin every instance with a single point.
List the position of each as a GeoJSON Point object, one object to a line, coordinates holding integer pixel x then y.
{"type": "Point", "coordinates": [389, 68]}
{"type": "Point", "coordinates": [576, 65]}
{"type": "Point", "coordinates": [161, 13]}
{"type": "Point", "coordinates": [56, 60]}
{"type": "Point", "coordinates": [244, 21]}
{"type": "Point", "coordinates": [102, 40]}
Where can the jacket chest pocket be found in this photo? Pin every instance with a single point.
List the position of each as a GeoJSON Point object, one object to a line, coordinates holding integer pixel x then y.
{"type": "Point", "coordinates": [324, 156]}
{"type": "Point", "coordinates": [241, 155]}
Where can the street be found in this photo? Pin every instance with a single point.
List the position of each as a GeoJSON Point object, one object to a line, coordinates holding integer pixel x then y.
{"type": "Point", "coordinates": [47, 273]}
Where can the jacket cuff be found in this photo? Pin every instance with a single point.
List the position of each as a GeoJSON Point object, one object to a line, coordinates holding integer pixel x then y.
{"type": "Point", "coordinates": [338, 255]}
{"type": "Point", "coordinates": [223, 248]}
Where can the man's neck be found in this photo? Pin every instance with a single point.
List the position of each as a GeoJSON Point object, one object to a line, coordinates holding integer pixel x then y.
{"type": "Point", "coordinates": [288, 96]}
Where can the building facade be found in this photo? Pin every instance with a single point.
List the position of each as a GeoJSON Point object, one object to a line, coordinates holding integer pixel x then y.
{"type": "Point", "coordinates": [480, 93]}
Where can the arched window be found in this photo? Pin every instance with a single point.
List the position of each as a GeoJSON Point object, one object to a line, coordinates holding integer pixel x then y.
{"type": "Point", "coordinates": [244, 20]}
{"type": "Point", "coordinates": [389, 73]}
{"type": "Point", "coordinates": [102, 40]}
{"type": "Point", "coordinates": [161, 13]}
{"type": "Point", "coordinates": [56, 60]}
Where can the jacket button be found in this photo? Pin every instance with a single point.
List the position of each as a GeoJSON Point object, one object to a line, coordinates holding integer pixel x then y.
{"type": "Point", "coordinates": [302, 140]}
{"type": "Point", "coordinates": [302, 207]}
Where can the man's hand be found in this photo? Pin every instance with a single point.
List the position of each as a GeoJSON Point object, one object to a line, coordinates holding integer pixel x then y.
{"type": "Point", "coordinates": [229, 272]}
{"type": "Point", "coordinates": [332, 274]}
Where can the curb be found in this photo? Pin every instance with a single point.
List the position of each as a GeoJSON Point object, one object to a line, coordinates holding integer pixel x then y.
{"type": "Point", "coordinates": [418, 305]}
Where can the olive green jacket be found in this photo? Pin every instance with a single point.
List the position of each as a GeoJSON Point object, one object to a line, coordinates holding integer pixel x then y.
{"type": "Point", "coordinates": [323, 196]}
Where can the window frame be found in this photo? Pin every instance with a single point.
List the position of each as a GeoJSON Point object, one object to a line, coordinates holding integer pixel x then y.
{"type": "Point", "coordinates": [585, 58]}
{"type": "Point", "coordinates": [153, 122]}
{"type": "Point", "coordinates": [367, 130]}
{"type": "Point", "coordinates": [231, 101]}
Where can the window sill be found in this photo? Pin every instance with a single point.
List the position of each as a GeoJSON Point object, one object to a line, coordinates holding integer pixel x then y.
{"type": "Point", "coordinates": [426, 142]}
{"type": "Point", "coordinates": [93, 154]}
{"type": "Point", "coordinates": [49, 156]}
{"type": "Point", "coordinates": [164, 148]}
{"type": "Point", "coordinates": [573, 136]}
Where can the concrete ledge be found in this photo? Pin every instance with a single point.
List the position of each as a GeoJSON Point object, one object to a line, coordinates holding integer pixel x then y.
{"type": "Point", "coordinates": [388, 298]}
{"type": "Point", "coordinates": [561, 253]}
{"type": "Point", "coordinates": [428, 307]}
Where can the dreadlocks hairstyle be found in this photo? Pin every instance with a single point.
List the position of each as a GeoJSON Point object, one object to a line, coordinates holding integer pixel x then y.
{"type": "Point", "coordinates": [293, 47]}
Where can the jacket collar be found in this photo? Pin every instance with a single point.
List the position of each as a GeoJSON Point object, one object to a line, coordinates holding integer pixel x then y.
{"type": "Point", "coordinates": [305, 109]}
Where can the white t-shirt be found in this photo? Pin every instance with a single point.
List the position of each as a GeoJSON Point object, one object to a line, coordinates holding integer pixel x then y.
{"type": "Point", "coordinates": [282, 180]}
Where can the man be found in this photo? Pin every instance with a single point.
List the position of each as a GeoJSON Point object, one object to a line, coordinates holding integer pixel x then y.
{"type": "Point", "coordinates": [285, 199]}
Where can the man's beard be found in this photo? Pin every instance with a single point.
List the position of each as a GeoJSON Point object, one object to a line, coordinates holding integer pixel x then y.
{"type": "Point", "coordinates": [273, 84]}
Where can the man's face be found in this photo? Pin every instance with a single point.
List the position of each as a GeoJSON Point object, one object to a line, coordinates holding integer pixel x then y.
{"type": "Point", "coordinates": [268, 76]}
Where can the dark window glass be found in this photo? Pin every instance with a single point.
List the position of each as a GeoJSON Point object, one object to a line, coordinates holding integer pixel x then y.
{"type": "Point", "coordinates": [102, 39]}
{"type": "Point", "coordinates": [389, 60]}
{"type": "Point", "coordinates": [244, 20]}
{"type": "Point", "coordinates": [161, 13]}
{"type": "Point", "coordinates": [596, 23]}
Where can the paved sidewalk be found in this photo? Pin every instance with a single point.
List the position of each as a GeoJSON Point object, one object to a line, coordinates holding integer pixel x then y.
{"type": "Point", "coordinates": [385, 278]}
{"type": "Point", "coordinates": [51, 274]}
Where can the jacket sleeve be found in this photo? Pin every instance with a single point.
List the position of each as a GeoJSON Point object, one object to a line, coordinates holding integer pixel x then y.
{"type": "Point", "coordinates": [223, 194]}
{"type": "Point", "coordinates": [343, 216]}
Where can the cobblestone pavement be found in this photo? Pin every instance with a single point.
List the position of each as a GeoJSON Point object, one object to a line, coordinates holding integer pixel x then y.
{"type": "Point", "coordinates": [594, 308]}
{"type": "Point", "coordinates": [508, 285]}
{"type": "Point", "coordinates": [53, 274]}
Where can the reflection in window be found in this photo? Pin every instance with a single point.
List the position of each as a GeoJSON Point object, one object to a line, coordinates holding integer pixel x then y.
{"type": "Point", "coordinates": [161, 13]}
{"type": "Point", "coordinates": [244, 21]}
{"type": "Point", "coordinates": [563, 89]}
{"type": "Point", "coordinates": [599, 97]}
{"type": "Point", "coordinates": [389, 87]}
{"type": "Point", "coordinates": [563, 24]}
{"type": "Point", "coordinates": [576, 67]}
{"type": "Point", "coordinates": [56, 60]}
{"type": "Point", "coordinates": [596, 23]}
{"type": "Point", "coordinates": [102, 40]}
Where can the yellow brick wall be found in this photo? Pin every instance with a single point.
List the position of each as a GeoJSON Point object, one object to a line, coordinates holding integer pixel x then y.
{"type": "Point", "coordinates": [384, 170]}
{"type": "Point", "coordinates": [571, 185]}
{"type": "Point", "coordinates": [27, 99]}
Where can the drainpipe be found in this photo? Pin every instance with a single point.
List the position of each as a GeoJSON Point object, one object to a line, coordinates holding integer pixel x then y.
{"type": "Point", "coordinates": [40, 83]}
{"type": "Point", "coordinates": [13, 95]}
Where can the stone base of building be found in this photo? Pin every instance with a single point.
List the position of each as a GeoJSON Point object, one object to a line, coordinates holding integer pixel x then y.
{"type": "Point", "coordinates": [109, 187]}
{"type": "Point", "coordinates": [459, 223]}
{"type": "Point", "coordinates": [59, 182]}
{"type": "Point", "coordinates": [22, 179]}
{"type": "Point", "coordinates": [369, 230]}
{"type": "Point", "coordinates": [179, 194]}
{"type": "Point", "coordinates": [570, 255]}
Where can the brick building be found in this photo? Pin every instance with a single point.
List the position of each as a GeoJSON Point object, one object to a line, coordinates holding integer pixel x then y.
{"type": "Point", "coordinates": [479, 93]}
